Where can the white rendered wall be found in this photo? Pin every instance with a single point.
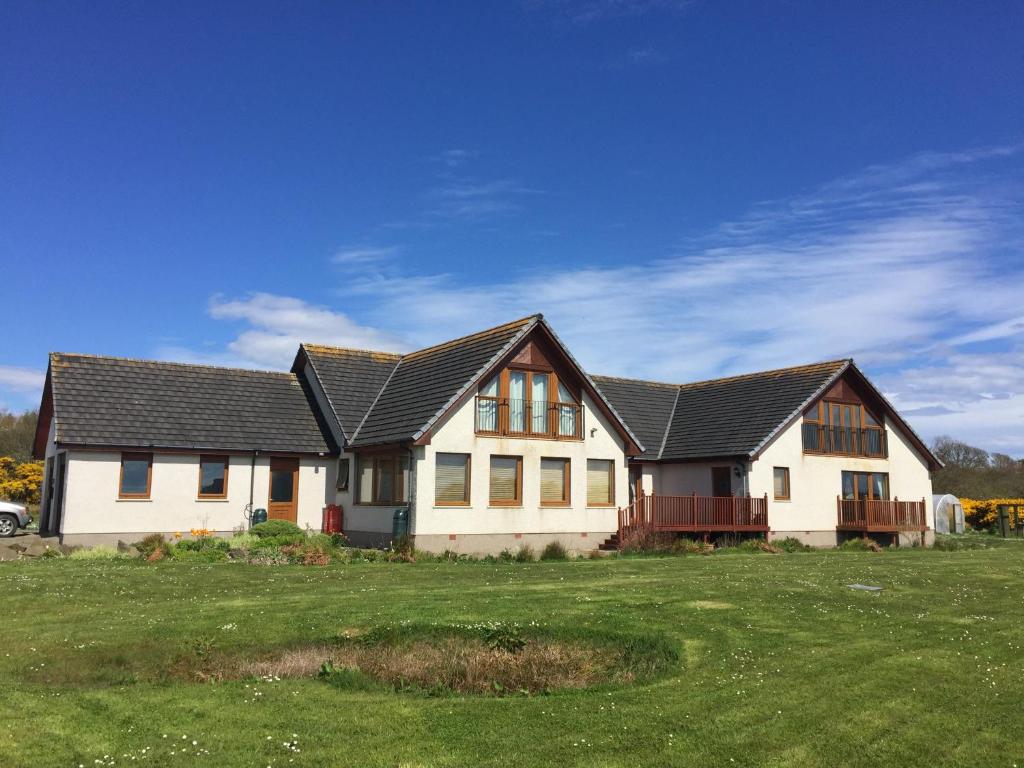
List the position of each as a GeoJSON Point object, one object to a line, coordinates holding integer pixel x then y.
{"type": "Point", "coordinates": [91, 504]}
{"type": "Point", "coordinates": [457, 435]}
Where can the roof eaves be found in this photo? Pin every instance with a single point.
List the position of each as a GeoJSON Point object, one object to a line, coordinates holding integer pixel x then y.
{"type": "Point", "coordinates": [668, 425]}
{"type": "Point", "coordinates": [817, 393]}
{"type": "Point", "coordinates": [476, 376]}
{"type": "Point", "coordinates": [384, 386]}
{"type": "Point", "coordinates": [324, 392]}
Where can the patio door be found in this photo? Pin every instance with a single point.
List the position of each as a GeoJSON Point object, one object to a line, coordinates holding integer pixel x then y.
{"type": "Point", "coordinates": [284, 489]}
{"type": "Point", "coordinates": [721, 481]}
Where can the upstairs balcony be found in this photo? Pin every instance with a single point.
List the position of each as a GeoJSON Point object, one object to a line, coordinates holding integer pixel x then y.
{"type": "Point", "coordinates": [504, 417]}
{"type": "Point", "coordinates": [868, 442]}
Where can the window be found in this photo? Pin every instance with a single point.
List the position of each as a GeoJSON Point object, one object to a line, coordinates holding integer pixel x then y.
{"type": "Point", "coordinates": [213, 477]}
{"type": "Point", "coordinates": [344, 468]}
{"type": "Point", "coordinates": [136, 475]}
{"type": "Point", "coordinates": [506, 481]}
{"type": "Point", "coordinates": [554, 482]}
{"type": "Point", "coordinates": [780, 476]}
{"type": "Point", "coordinates": [528, 403]}
{"type": "Point", "coordinates": [383, 479]}
{"type": "Point", "coordinates": [600, 482]}
{"type": "Point", "coordinates": [451, 479]}
{"type": "Point", "coordinates": [843, 428]}
{"type": "Point", "coordinates": [866, 485]}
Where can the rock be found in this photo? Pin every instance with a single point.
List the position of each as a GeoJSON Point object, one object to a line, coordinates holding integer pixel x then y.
{"type": "Point", "coordinates": [36, 548]}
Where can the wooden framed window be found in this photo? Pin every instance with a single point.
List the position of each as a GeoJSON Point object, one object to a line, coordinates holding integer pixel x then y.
{"type": "Point", "coordinates": [528, 403]}
{"type": "Point", "coordinates": [506, 481]}
{"type": "Point", "coordinates": [383, 478]}
{"type": "Point", "coordinates": [344, 469]}
{"type": "Point", "coordinates": [136, 476]}
{"type": "Point", "coordinates": [600, 483]}
{"type": "Point", "coordinates": [213, 477]}
{"type": "Point", "coordinates": [554, 483]}
{"type": "Point", "coordinates": [780, 480]}
{"type": "Point", "coordinates": [452, 479]}
{"type": "Point", "coordinates": [873, 486]}
{"type": "Point", "coordinates": [848, 429]}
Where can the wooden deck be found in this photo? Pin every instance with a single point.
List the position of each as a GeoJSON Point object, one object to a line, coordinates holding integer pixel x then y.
{"type": "Point", "coordinates": [696, 514]}
{"type": "Point", "coordinates": [881, 516]}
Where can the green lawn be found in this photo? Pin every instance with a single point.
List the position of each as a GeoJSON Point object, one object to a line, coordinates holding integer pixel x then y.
{"type": "Point", "coordinates": [780, 663]}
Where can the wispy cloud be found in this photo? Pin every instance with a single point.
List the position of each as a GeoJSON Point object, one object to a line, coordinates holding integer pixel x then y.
{"type": "Point", "coordinates": [453, 158]}
{"type": "Point", "coordinates": [364, 255]}
{"type": "Point", "coordinates": [20, 388]}
{"type": "Point", "coordinates": [465, 198]}
{"type": "Point", "coordinates": [911, 268]}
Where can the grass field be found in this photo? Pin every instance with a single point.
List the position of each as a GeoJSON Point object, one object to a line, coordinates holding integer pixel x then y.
{"type": "Point", "coordinates": [779, 662]}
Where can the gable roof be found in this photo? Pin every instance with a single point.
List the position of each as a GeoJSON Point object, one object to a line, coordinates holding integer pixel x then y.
{"type": "Point", "coordinates": [646, 406]}
{"type": "Point", "coordinates": [119, 402]}
{"type": "Point", "coordinates": [735, 416]}
{"type": "Point", "coordinates": [422, 386]}
{"type": "Point", "coordinates": [350, 379]}
{"type": "Point", "coordinates": [723, 418]}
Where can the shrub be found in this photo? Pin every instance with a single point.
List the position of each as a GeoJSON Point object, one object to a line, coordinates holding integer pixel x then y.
{"type": "Point", "coordinates": [791, 544]}
{"type": "Point", "coordinates": [554, 551]}
{"type": "Point", "coordinates": [307, 554]}
{"type": "Point", "coordinates": [643, 541]}
{"type": "Point", "coordinates": [339, 540]}
{"type": "Point", "coordinates": [267, 556]}
{"type": "Point", "coordinates": [525, 554]}
{"type": "Point", "coordinates": [955, 543]}
{"type": "Point", "coordinates": [273, 528]}
{"type": "Point", "coordinates": [685, 546]}
{"type": "Point", "coordinates": [506, 556]}
{"type": "Point", "coordinates": [102, 552]}
{"type": "Point", "coordinates": [242, 541]}
{"type": "Point", "coordinates": [276, 542]}
{"type": "Point", "coordinates": [503, 637]}
{"type": "Point", "coordinates": [753, 546]}
{"type": "Point", "coordinates": [860, 545]}
{"type": "Point", "coordinates": [202, 543]}
{"type": "Point", "coordinates": [153, 543]}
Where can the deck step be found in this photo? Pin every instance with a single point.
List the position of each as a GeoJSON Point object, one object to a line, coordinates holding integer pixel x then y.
{"type": "Point", "coordinates": [610, 544]}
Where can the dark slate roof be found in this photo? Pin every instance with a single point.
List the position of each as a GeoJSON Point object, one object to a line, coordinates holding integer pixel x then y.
{"type": "Point", "coordinates": [351, 379]}
{"type": "Point", "coordinates": [646, 406]}
{"type": "Point", "coordinates": [426, 381]}
{"type": "Point", "coordinates": [112, 401]}
{"type": "Point", "coordinates": [719, 418]}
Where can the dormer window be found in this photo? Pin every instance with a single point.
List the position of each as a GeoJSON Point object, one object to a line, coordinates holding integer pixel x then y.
{"type": "Point", "coordinates": [528, 403]}
{"type": "Point", "coordinates": [847, 429]}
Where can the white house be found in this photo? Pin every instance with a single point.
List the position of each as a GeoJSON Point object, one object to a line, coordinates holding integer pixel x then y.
{"type": "Point", "coordinates": [491, 441]}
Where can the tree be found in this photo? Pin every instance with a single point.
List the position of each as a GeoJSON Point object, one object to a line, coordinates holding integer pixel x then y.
{"type": "Point", "coordinates": [17, 433]}
{"type": "Point", "coordinates": [954, 453]}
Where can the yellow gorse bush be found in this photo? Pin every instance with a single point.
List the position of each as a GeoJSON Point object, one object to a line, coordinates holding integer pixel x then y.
{"type": "Point", "coordinates": [20, 482]}
{"type": "Point", "coordinates": [983, 513]}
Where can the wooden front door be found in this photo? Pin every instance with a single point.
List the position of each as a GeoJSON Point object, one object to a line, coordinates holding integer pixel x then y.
{"type": "Point", "coordinates": [284, 489]}
{"type": "Point", "coordinates": [721, 481]}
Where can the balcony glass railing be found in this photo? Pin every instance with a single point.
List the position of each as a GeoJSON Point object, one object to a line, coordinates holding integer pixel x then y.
{"type": "Point", "coordinates": [528, 418]}
{"type": "Point", "coordinates": [869, 442]}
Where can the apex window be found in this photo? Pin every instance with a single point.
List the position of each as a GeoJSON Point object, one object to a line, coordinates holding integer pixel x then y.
{"type": "Point", "coordinates": [528, 403]}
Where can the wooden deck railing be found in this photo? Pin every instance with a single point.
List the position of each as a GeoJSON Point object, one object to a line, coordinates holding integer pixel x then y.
{"type": "Point", "coordinates": [871, 515]}
{"type": "Point", "coordinates": [693, 513]}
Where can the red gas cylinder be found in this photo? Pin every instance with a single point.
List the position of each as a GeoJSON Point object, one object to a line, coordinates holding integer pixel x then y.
{"type": "Point", "coordinates": [332, 519]}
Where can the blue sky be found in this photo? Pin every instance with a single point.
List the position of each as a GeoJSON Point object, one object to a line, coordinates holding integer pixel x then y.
{"type": "Point", "coordinates": [685, 189]}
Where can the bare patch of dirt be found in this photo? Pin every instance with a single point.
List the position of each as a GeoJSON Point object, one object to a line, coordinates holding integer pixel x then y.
{"type": "Point", "coordinates": [710, 605]}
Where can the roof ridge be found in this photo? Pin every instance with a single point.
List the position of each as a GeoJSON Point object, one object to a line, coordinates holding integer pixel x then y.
{"type": "Point", "coordinates": [355, 432]}
{"type": "Point", "coordinates": [668, 424]}
{"type": "Point", "coordinates": [332, 348]}
{"type": "Point", "coordinates": [207, 366]}
{"type": "Point", "coordinates": [505, 349]}
{"type": "Point", "coordinates": [486, 331]}
{"type": "Point", "coordinates": [788, 369]}
{"type": "Point", "coordinates": [642, 381]}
